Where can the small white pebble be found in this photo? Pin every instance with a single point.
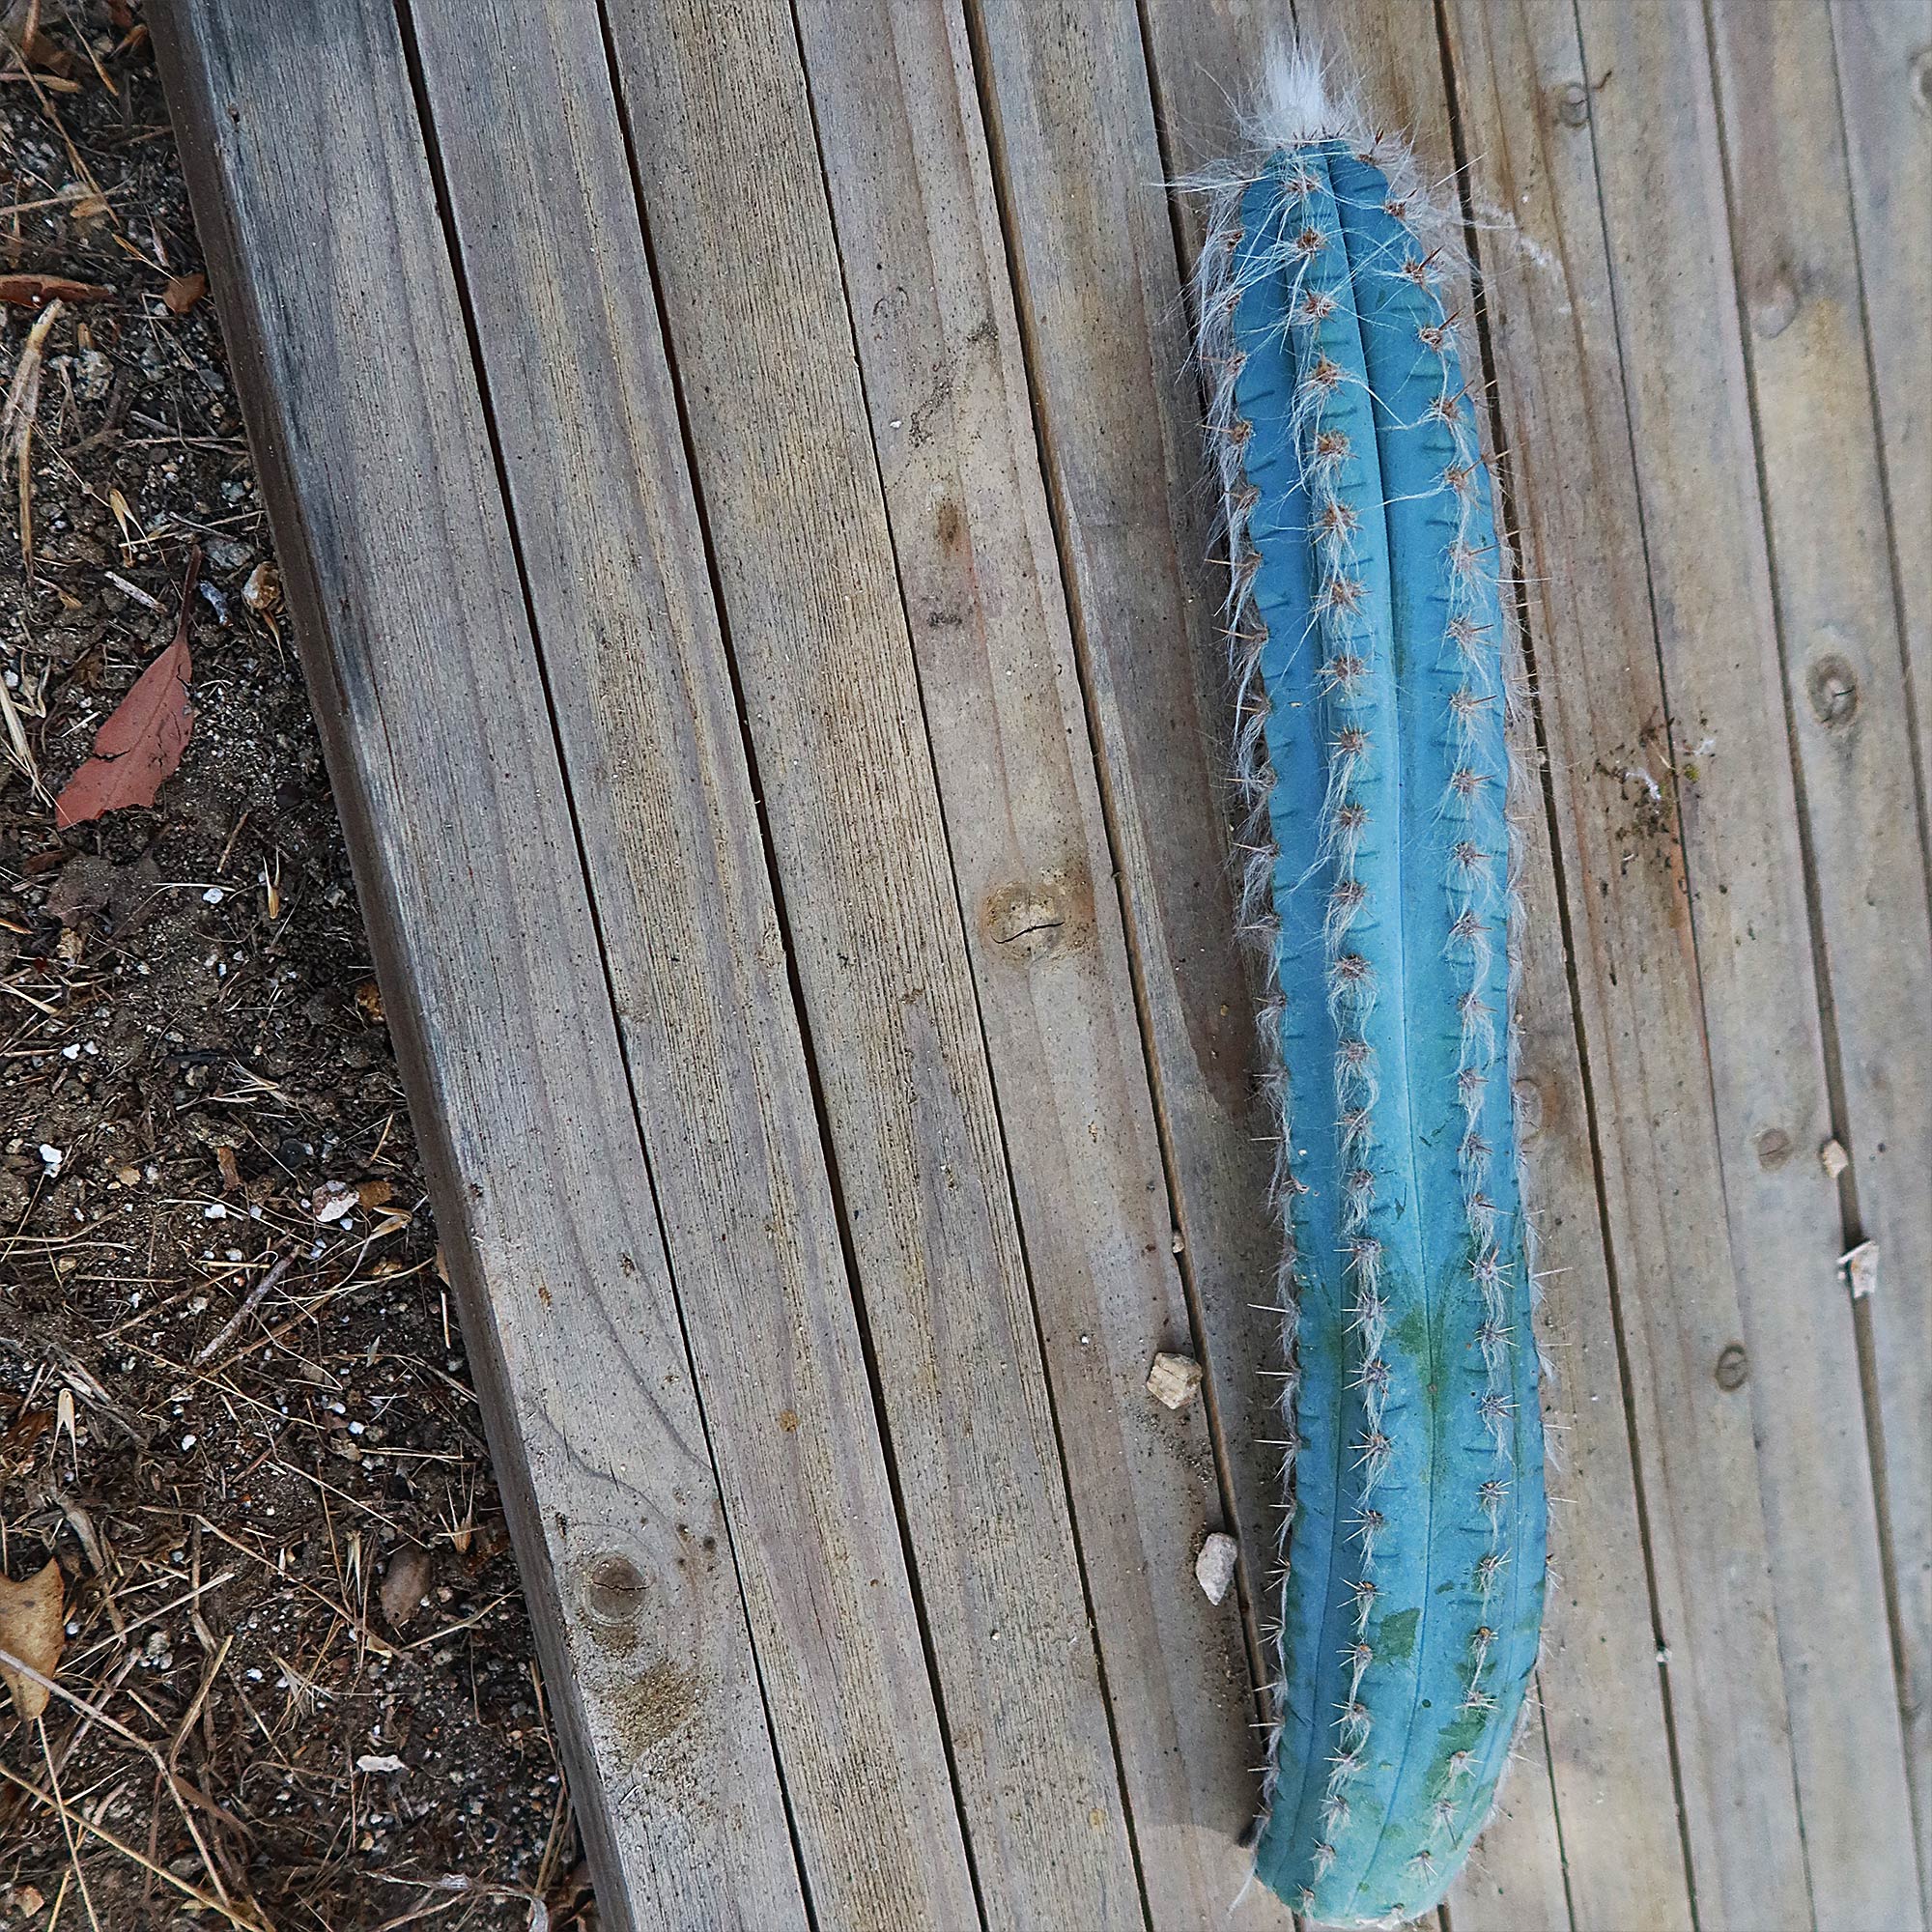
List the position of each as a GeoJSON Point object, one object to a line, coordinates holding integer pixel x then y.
{"type": "Point", "coordinates": [1214, 1567]}
{"type": "Point", "coordinates": [214, 1212]}
{"type": "Point", "coordinates": [71, 1052]}
{"type": "Point", "coordinates": [52, 1156]}
{"type": "Point", "coordinates": [1172, 1379]}
{"type": "Point", "coordinates": [189, 1442]}
{"type": "Point", "coordinates": [214, 896]}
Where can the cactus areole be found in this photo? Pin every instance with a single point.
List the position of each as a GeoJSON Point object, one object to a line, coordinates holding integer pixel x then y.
{"type": "Point", "coordinates": [1372, 660]}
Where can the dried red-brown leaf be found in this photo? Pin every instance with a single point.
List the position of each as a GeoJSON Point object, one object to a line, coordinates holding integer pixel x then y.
{"type": "Point", "coordinates": [405, 1585]}
{"type": "Point", "coordinates": [38, 291]}
{"type": "Point", "coordinates": [31, 1629]}
{"type": "Point", "coordinates": [183, 292]}
{"type": "Point", "coordinates": [28, 1427]}
{"type": "Point", "coordinates": [36, 48]}
{"type": "Point", "coordinates": [137, 749]}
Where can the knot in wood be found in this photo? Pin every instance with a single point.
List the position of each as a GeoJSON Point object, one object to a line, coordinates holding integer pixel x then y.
{"type": "Point", "coordinates": [1832, 686]}
{"type": "Point", "coordinates": [1028, 919]}
{"type": "Point", "coordinates": [613, 1592]}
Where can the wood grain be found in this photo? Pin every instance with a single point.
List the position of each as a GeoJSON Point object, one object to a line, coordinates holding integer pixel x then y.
{"type": "Point", "coordinates": [912, 196]}
{"type": "Point", "coordinates": [1072, 135]}
{"type": "Point", "coordinates": [1525, 104]}
{"type": "Point", "coordinates": [1884, 50]}
{"type": "Point", "coordinates": [1657, 148]}
{"type": "Point", "coordinates": [315, 206]}
{"type": "Point", "coordinates": [532, 151]}
{"type": "Point", "coordinates": [1849, 701]}
{"type": "Point", "coordinates": [763, 351]}
{"type": "Point", "coordinates": [1523, 1887]}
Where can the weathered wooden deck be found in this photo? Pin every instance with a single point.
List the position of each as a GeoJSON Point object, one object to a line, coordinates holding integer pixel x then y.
{"type": "Point", "coordinates": [733, 471]}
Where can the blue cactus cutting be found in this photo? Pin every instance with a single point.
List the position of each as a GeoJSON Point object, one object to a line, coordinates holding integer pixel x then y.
{"type": "Point", "coordinates": [1372, 746]}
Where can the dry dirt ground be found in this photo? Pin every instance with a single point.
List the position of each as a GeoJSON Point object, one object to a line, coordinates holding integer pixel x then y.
{"type": "Point", "coordinates": [296, 1687]}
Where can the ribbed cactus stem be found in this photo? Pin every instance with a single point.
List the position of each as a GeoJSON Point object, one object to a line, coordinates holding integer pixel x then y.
{"type": "Point", "coordinates": [1373, 750]}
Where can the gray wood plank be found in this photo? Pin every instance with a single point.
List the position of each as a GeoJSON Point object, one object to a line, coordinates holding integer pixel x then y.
{"type": "Point", "coordinates": [763, 351]}
{"type": "Point", "coordinates": [1514, 1880]}
{"type": "Point", "coordinates": [1072, 135]}
{"type": "Point", "coordinates": [531, 150]}
{"type": "Point", "coordinates": [912, 197]}
{"type": "Point", "coordinates": [1848, 696]}
{"type": "Point", "coordinates": [1657, 147]}
{"type": "Point", "coordinates": [1521, 87]}
{"type": "Point", "coordinates": [314, 203]}
{"type": "Point", "coordinates": [1884, 50]}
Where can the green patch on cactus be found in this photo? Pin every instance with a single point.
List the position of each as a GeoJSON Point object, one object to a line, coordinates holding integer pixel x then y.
{"type": "Point", "coordinates": [1411, 1333]}
{"type": "Point", "coordinates": [1395, 1636]}
{"type": "Point", "coordinates": [1372, 748]}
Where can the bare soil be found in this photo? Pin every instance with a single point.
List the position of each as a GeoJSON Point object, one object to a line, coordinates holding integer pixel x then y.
{"type": "Point", "coordinates": [298, 1688]}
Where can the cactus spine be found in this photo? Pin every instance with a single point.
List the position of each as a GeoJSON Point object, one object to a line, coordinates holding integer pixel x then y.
{"type": "Point", "coordinates": [1371, 653]}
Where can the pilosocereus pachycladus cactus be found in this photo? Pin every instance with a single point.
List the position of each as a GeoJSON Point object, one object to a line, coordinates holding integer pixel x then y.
{"type": "Point", "coordinates": [1372, 660]}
